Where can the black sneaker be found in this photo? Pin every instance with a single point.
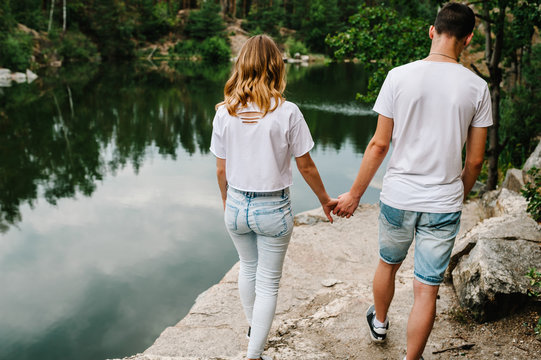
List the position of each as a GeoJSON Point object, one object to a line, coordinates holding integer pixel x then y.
{"type": "Point", "coordinates": [249, 331]}
{"type": "Point", "coordinates": [378, 334]}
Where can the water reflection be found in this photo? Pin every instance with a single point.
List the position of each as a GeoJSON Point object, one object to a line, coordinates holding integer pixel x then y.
{"type": "Point", "coordinates": [108, 204]}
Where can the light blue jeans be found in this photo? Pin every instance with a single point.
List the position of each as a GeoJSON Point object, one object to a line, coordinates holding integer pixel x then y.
{"type": "Point", "coordinates": [260, 225]}
{"type": "Point", "coordinates": [434, 235]}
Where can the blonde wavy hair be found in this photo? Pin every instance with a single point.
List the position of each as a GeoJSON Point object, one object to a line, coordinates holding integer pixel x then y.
{"type": "Point", "coordinates": [258, 77]}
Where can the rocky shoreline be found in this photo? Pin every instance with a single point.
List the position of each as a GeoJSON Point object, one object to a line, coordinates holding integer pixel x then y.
{"type": "Point", "coordinates": [325, 290]}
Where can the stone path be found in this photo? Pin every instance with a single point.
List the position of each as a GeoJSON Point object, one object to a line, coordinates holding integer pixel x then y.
{"type": "Point", "coordinates": [324, 293]}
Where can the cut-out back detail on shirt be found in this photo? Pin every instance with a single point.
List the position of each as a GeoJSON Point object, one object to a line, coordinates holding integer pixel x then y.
{"type": "Point", "coordinates": [250, 117]}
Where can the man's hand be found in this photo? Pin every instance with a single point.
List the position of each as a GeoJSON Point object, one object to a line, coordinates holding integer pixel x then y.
{"type": "Point", "coordinates": [328, 207]}
{"type": "Point", "coordinates": [347, 204]}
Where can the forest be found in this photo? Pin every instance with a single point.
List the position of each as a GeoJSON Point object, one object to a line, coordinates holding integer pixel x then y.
{"type": "Point", "coordinates": [506, 50]}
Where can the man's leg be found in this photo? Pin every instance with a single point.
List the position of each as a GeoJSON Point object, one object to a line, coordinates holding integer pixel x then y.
{"type": "Point", "coordinates": [383, 288]}
{"type": "Point", "coordinates": [421, 318]}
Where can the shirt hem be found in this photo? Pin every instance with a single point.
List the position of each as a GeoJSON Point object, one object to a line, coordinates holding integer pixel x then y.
{"type": "Point", "coordinates": [214, 152]}
{"type": "Point", "coordinates": [382, 112]}
{"type": "Point", "coordinates": [239, 188]}
{"type": "Point", "coordinates": [422, 208]}
{"type": "Point", "coordinates": [307, 151]}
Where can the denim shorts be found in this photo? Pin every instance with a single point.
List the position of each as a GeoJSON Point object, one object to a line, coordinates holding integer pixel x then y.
{"type": "Point", "coordinates": [434, 235]}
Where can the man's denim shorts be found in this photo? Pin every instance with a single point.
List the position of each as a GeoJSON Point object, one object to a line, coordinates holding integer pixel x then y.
{"type": "Point", "coordinates": [434, 235]}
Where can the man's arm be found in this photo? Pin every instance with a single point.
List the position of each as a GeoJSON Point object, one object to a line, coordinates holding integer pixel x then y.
{"type": "Point", "coordinates": [373, 156]}
{"type": "Point", "coordinates": [222, 181]}
{"type": "Point", "coordinates": [475, 153]}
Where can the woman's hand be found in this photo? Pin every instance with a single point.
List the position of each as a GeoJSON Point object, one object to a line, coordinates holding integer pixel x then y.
{"type": "Point", "coordinates": [328, 207]}
{"type": "Point", "coordinates": [223, 200]}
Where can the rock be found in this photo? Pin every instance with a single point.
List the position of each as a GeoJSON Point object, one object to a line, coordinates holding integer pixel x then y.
{"type": "Point", "coordinates": [533, 160]}
{"type": "Point", "coordinates": [27, 30]}
{"type": "Point", "coordinates": [514, 180]}
{"type": "Point", "coordinates": [297, 55]}
{"type": "Point", "coordinates": [18, 77]}
{"type": "Point", "coordinates": [310, 217]}
{"type": "Point", "coordinates": [507, 227]}
{"type": "Point", "coordinates": [305, 58]}
{"type": "Point", "coordinates": [30, 76]}
{"type": "Point", "coordinates": [490, 280]}
{"type": "Point", "coordinates": [330, 282]}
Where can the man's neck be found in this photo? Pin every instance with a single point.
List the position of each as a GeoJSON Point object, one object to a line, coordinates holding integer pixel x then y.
{"type": "Point", "coordinates": [444, 49]}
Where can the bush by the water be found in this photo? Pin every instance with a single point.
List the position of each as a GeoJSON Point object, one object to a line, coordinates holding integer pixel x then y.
{"type": "Point", "coordinates": [295, 46]}
{"type": "Point", "coordinates": [211, 50]}
{"type": "Point", "coordinates": [215, 50]}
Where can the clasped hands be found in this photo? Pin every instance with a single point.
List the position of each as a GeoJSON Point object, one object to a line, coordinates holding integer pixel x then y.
{"type": "Point", "coordinates": [344, 206]}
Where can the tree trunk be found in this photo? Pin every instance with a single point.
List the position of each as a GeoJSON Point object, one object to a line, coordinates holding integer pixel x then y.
{"type": "Point", "coordinates": [493, 58]}
{"type": "Point", "coordinates": [51, 16]}
{"type": "Point", "coordinates": [64, 16]}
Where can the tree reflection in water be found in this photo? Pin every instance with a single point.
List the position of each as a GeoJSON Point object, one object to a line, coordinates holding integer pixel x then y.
{"type": "Point", "coordinates": [65, 132]}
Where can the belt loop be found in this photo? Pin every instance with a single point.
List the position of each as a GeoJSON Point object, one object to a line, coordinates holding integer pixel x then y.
{"type": "Point", "coordinates": [283, 193]}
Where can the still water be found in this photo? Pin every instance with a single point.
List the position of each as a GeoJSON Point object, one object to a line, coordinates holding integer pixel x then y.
{"type": "Point", "coordinates": [110, 216]}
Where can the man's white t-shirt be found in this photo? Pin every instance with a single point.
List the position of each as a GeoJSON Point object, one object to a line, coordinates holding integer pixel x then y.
{"type": "Point", "coordinates": [432, 104]}
{"type": "Point", "coordinates": [258, 154]}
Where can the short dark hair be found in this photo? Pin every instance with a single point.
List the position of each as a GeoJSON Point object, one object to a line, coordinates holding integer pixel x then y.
{"type": "Point", "coordinates": [455, 19]}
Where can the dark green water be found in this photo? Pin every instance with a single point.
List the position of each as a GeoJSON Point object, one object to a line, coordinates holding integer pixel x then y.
{"type": "Point", "coordinates": [110, 216]}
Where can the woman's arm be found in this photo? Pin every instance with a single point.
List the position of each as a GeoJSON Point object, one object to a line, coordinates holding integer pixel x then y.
{"type": "Point", "coordinates": [222, 181]}
{"type": "Point", "coordinates": [309, 172]}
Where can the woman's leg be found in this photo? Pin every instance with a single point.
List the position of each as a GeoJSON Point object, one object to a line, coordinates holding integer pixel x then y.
{"type": "Point", "coordinates": [272, 251]}
{"type": "Point", "coordinates": [246, 245]}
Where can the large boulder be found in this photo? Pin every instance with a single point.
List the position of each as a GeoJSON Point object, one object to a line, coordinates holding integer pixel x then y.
{"type": "Point", "coordinates": [489, 263]}
{"type": "Point", "coordinates": [514, 180]}
{"type": "Point", "coordinates": [533, 161]}
{"type": "Point", "coordinates": [491, 281]}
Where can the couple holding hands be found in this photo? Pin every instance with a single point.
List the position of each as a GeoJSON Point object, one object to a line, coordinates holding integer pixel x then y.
{"type": "Point", "coordinates": [429, 109]}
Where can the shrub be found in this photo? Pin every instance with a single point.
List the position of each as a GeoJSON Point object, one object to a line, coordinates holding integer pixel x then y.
{"type": "Point", "coordinates": [294, 46]}
{"type": "Point", "coordinates": [215, 50]}
{"type": "Point", "coordinates": [535, 291]}
{"type": "Point", "coordinates": [532, 193]}
{"type": "Point", "coordinates": [184, 49]}
{"type": "Point", "coordinates": [16, 51]}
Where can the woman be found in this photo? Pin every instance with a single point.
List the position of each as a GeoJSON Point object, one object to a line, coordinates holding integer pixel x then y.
{"type": "Point", "coordinates": [255, 134]}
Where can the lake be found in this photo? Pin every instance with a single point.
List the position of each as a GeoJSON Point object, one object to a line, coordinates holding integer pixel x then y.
{"type": "Point", "coordinates": [110, 215]}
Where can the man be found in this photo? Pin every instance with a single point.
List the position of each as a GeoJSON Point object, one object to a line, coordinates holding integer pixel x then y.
{"type": "Point", "coordinates": [430, 108]}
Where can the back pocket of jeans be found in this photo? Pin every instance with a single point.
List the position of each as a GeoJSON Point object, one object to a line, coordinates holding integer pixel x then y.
{"type": "Point", "coordinates": [273, 222]}
{"type": "Point", "coordinates": [230, 216]}
{"type": "Point", "coordinates": [443, 220]}
{"type": "Point", "coordinates": [395, 217]}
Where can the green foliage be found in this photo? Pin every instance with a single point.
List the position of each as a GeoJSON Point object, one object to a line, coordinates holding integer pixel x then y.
{"type": "Point", "coordinates": [29, 13]}
{"type": "Point", "coordinates": [535, 282]}
{"type": "Point", "coordinates": [532, 193]}
{"type": "Point", "coordinates": [15, 51]}
{"type": "Point", "coordinates": [381, 39]}
{"type": "Point", "coordinates": [206, 22]}
{"type": "Point", "coordinates": [323, 19]}
{"type": "Point", "coordinates": [155, 20]}
{"type": "Point", "coordinates": [295, 46]}
{"type": "Point", "coordinates": [75, 46]}
{"type": "Point", "coordinates": [520, 113]}
{"type": "Point", "coordinates": [184, 49]}
{"type": "Point", "coordinates": [215, 50]}
{"type": "Point", "coordinates": [212, 50]}
{"type": "Point", "coordinates": [264, 17]}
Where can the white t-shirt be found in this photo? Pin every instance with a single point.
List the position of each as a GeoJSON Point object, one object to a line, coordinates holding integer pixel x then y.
{"type": "Point", "coordinates": [432, 104]}
{"type": "Point", "coordinates": [259, 153]}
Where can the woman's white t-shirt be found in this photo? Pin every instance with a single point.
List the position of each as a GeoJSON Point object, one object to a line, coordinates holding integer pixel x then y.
{"type": "Point", "coordinates": [258, 153]}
